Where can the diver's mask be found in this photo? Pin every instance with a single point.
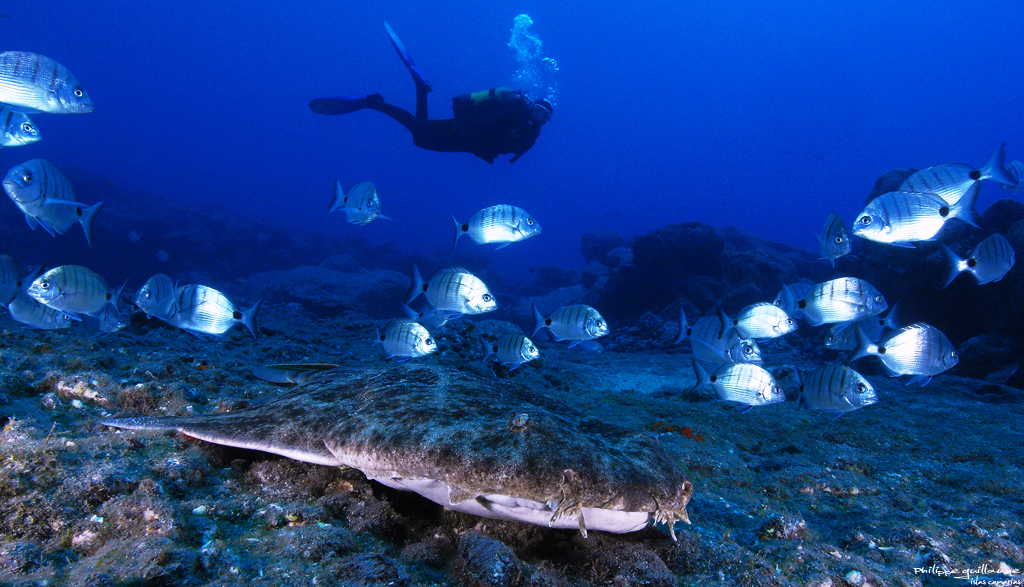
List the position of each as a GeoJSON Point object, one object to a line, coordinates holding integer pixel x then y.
{"type": "Point", "coordinates": [541, 111]}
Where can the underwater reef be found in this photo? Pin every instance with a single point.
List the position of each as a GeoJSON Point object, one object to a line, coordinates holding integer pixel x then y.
{"type": "Point", "coordinates": [927, 481]}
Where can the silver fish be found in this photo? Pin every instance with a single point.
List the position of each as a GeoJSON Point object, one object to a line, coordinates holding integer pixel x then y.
{"type": "Point", "coordinates": [16, 128]}
{"type": "Point", "coordinates": [47, 199]}
{"type": "Point", "coordinates": [843, 336]}
{"type": "Point", "coordinates": [1016, 171]}
{"type": "Point", "coordinates": [406, 340]}
{"type": "Point", "coordinates": [988, 262]}
{"type": "Point", "coordinates": [290, 373]}
{"type": "Point", "coordinates": [361, 204]}
{"type": "Point", "coordinates": [841, 339]}
{"type": "Point", "coordinates": [198, 308]}
{"type": "Point", "coordinates": [503, 223]}
{"type": "Point", "coordinates": [836, 388]}
{"type": "Point", "coordinates": [511, 349]}
{"type": "Point", "coordinates": [453, 290]}
{"type": "Point", "coordinates": [761, 321]}
{"type": "Point", "coordinates": [10, 279]}
{"type": "Point", "coordinates": [834, 240]}
{"type": "Point", "coordinates": [110, 320]}
{"type": "Point", "coordinates": [40, 84]}
{"type": "Point", "coordinates": [577, 323]}
{"type": "Point", "coordinates": [792, 293]}
{"type": "Point", "coordinates": [156, 296]}
{"type": "Point", "coordinates": [953, 180]}
{"type": "Point", "coordinates": [846, 299]}
{"type": "Point", "coordinates": [74, 289]}
{"type": "Point", "coordinates": [745, 383]}
{"type": "Point", "coordinates": [26, 310]}
{"type": "Point", "coordinates": [432, 319]}
{"type": "Point", "coordinates": [713, 345]}
{"type": "Point", "coordinates": [918, 349]}
{"type": "Point", "coordinates": [900, 218]}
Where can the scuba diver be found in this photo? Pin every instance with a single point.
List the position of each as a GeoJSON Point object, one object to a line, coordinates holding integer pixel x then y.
{"type": "Point", "coordinates": [487, 124]}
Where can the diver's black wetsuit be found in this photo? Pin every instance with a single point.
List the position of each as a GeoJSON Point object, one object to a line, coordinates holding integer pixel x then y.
{"type": "Point", "coordinates": [499, 125]}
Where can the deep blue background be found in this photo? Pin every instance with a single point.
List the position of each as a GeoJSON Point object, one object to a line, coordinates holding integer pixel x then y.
{"type": "Point", "coordinates": [759, 115]}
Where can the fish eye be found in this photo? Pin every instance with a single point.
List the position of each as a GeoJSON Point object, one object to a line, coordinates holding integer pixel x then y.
{"type": "Point", "coordinates": [839, 240]}
{"type": "Point", "coordinates": [831, 338]}
{"type": "Point", "coordinates": [486, 297]}
{"type": "Point", "coordinates": [529, 221]}
{"type": "Point", "coordinates": [789, 321]}
{"type": "Point", "coordinates": [429, 341]}
{"type": "Point", "coordinates": [79, 93]}
{"type": "Point", "coordinates": [878, 298]}
{"type": "Point", "coordinates": [44, 285]}
{"type": "Point", "coordinates": [865, 219]}
{"type": "Point", "coordinates": [747, 350]}
{"type": "Point", "coordinates": [952, 354]}
{"type": "Point", "coordinates": [26, 176]}
{"type": "Point", "coordinates": [27, 127]}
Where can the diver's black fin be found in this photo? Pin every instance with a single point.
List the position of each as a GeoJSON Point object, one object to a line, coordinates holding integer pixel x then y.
{"type": "Point", "coordinates": [417, 73]}
{"type": "Point", "coordinates": [337, 105]}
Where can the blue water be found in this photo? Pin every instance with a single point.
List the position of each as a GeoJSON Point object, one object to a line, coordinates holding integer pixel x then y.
{"type": "Point", "coordinates": [763, 116]}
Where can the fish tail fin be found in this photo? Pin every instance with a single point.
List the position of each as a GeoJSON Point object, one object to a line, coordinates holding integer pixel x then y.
{"type": "Point", "coordinates": [458, 231]}
{"type": "Point", "coordinates": [339, 198]}
{"type": "Point", "coordinates": [682, 325]}
{"type": "Point", "coordinates": [85, 216]}
{"type": "Point", "coordinates": [376, 335]}
{"type": "Point", "coordinates": [955, 264]}
{"type": "Point", "coordinates": [117, 296]}
{"type": "Point", "coordinates": [801, 401]}
{"type": "Point", "coordinates": [864, 345]}
{"type": "Point", "coordinates": [485, 348]}
{"type": "Point", "coordinates": [410, 313]}
{"type": "Point", "coordinates": [727, 323]}
{"type": "Point", "coordinates": [417, 285]}
{"type": "Point", "coordinates": [965, 209]}
{"type": "Point", "coordinates": [538, 320]}
{"type": "Point", "coordinates": [249, 317]}
{"type": "Point", "coordinates": [824, 251]}
{"type": "Point", "coordinates": [789, 302]}
{"type": "Point", "coordinates": [702, 375]}
{"type": "Point", "coordinates": [996, 168]}
{"type": "Point", "coordinates": [892, 319]}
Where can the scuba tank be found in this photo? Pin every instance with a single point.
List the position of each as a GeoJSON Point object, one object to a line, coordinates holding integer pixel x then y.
{"type": "Point", "coordinates": [465, 102]}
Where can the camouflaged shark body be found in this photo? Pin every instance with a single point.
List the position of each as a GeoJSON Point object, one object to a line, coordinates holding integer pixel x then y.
{"type": "Point", "coordinates": [481, 446]}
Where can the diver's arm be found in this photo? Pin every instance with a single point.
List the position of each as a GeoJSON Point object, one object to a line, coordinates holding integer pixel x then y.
{"type": "Point", "coordinates": [525, 143]}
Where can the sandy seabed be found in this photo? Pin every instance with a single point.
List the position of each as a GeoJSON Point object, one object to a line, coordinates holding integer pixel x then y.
{"type": "Point", "coordinates": [923, 488]}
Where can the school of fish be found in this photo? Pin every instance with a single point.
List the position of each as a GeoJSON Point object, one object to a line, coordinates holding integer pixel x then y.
{"type": "Point", "coordinates": [726, 350]}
